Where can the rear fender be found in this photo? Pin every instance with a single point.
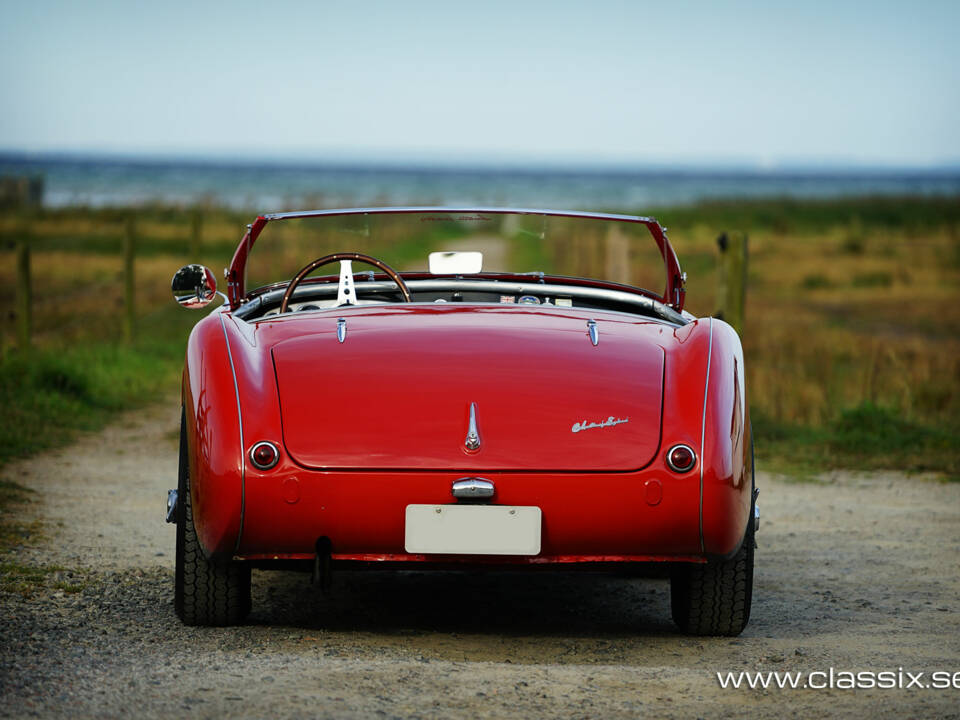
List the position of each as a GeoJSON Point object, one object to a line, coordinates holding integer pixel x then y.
{"type": "Point", "coordinates": [725, 456]}
{"type": "Point", "coordinates": [257, 391]}
{"type": "Point", "coordinates": [213, 438]}
{"type": "Point", "coordinates": [685, 373]}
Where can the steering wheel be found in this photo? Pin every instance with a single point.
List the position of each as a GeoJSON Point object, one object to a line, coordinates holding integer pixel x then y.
{"type": "Point", "coordinates": [346, 293]}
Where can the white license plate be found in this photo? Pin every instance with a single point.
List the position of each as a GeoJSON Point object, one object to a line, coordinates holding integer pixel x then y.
{"type": "Point", "coordinates": [473, 529]}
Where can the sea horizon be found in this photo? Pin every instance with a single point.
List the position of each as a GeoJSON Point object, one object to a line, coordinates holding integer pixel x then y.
{"type": "Point", "coordinates": [73, 178]}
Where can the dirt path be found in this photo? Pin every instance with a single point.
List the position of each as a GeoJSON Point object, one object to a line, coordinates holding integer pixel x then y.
{"type": "Point", "coordinates": [493, 248]}
{"type": "Point", "coordinates": [860, 573]}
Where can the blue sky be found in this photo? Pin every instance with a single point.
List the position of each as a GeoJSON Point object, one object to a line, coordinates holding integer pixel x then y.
{"type": "Point", "coordinates": [756, 83]}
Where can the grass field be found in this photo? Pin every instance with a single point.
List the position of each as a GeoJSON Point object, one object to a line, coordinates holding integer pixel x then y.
{"type": "Point", "coordinates": [852, 335]}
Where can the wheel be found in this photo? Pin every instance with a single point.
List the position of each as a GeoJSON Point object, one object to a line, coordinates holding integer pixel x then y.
{"type": "Point", "coordinates": [205, 592]}
{"type": "Point", "coordinates": [715, 598]}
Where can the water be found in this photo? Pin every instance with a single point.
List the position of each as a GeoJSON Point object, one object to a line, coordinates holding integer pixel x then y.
{"type": "Point", "coordinates": [268, 187]}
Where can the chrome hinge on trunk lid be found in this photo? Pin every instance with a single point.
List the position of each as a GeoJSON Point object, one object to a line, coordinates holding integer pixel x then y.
{"type": "Point", "coordinates": [593, 331]}
{"type": "Point", "coordinates": [472, 443]}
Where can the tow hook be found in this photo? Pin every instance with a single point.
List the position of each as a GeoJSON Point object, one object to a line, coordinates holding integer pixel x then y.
{"type": "Point", "coordinates": [322, 575]}
{"type": "Point", "coordinates": [171, 506]}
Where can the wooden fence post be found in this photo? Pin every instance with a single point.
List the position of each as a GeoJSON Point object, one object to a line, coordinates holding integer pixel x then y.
{"type": "Point", "coordinates": [129, 309]}
{"type": "Point", "coordinates": [24, 301]}
{"type": "Point", "coordinates": [196, 235]}
{"type": "Point", "coordinates": [732, 279]}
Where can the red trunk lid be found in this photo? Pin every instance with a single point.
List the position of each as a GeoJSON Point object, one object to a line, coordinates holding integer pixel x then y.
{"type": "Point", "coordinates": [397, 393]}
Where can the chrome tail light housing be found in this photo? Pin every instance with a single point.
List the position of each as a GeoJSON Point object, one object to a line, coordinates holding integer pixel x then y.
{"type": "Point", "coordinates": [681, 458]}
{"type": "Point", "coordinates": [264, 455]}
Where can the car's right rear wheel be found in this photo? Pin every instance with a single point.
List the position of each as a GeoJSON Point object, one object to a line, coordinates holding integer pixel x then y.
{"type": "Point", "coordinates": [206, 592]}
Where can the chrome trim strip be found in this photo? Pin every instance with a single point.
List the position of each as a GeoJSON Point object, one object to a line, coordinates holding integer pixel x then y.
{"type": "Point", "coordinates": [472, 442]}
{"type": "Point", "coordinates": [679, 470]}
{"type": "Point", "coordinates": [243, 463]}
{"type": "Point", "coordinates": [341, 329]}
{"type": "Point", "coordinates": [472, 487]}
{"type": "Point", "coordinates": [593, 332]}
{"type": "Point", "coordinates": [454, 210]}
{"type": "Point", "coordinates": [703, 431]}
{"type": "Point", "coordinates": [504, 287]}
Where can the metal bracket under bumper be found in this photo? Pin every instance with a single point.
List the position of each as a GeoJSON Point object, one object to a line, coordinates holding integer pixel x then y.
{"type": "Point", "coordinates": [171, 506]}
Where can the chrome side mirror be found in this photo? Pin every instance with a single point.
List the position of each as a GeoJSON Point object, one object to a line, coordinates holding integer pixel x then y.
{"type": "Point", "coordinates": [194, 286]}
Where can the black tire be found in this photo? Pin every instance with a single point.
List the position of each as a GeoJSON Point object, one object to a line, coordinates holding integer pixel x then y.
{"type": "Point", "coordinates": [715, 598]}
{"type": "Point", "coordinates": [205, 592]}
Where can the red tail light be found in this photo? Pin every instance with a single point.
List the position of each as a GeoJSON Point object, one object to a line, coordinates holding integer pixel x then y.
{"type": "Point", "coordinates": [681, 458]}
{"type": "Point", "coordinates": [264, 455]}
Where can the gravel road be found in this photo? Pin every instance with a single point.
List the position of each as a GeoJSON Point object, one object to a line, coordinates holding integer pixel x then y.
{"type": "Point", "coordinates": [856, 572]}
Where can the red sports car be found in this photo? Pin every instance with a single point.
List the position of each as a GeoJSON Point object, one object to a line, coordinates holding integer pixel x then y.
{"type": "Point", "coordinates": [472, 404]}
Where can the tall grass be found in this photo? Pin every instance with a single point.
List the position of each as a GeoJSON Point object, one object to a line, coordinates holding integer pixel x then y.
{"type": "Point", "coordinates": [852, 335]}
{"type": "Point", "coordinates": [56, 390]}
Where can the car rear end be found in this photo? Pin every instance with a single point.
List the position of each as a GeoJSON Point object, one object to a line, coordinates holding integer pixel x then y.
{"type": "Point", "coordinates": [572, 439]}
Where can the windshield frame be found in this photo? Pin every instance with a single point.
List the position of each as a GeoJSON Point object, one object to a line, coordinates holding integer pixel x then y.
{"type": "Point", "coordinates": [673, 296]}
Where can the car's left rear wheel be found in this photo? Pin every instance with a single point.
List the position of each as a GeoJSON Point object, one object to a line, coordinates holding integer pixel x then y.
{"type": "Point", "coordinates": [206, 592]}
{"type": "Point", "coordinates": [715, 598]}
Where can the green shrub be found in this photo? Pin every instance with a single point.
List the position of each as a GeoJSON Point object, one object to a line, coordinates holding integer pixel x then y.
{"type": "Point", "coordinates": [49, 394]}
{"type": "Point", "coordinates": [869, 429]}
{"type": "Point", "coordinates": [873, 279]}
{"type": "Point", "coordinates": [866, 437]}
{"type": "Point", "coordinates": [817, 281]}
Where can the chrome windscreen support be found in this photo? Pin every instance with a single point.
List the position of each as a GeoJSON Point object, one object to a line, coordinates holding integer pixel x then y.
{"type": "Point", "coordinates": [346, 292]}
{"type": "Point", "coordinates": [472, 443]}
{"type": "Point", "coordinates": [593, 331]}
